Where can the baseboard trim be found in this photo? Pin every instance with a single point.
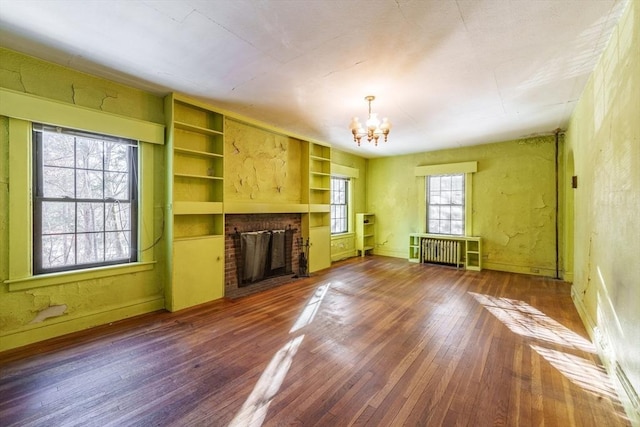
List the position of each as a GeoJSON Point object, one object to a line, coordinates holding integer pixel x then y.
{"type": "Point", "coordinates": [63, 325]}
{"type": "Point", "coordinates": [627, 394]}
{"type": "Point", "coordinates": [521, 269]}
{"type": "Point", "coordinates": [343, 255]}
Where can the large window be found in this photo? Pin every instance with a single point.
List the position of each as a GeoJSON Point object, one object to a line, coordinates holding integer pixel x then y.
{"type": "Point", "coordinates": [339, 205]}
{"type": "Point", "coordinates": [446, 204]}
{"type": "Point", "coordinates": [85, 200]}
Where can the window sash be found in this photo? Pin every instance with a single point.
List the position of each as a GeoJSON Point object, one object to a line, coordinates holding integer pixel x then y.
{"type": "Point", "coordinates": [445, 195]}
{"type": "Point", "coordinates": [339, 205]}
{"type": "Point", "coordinates": [110, 218]}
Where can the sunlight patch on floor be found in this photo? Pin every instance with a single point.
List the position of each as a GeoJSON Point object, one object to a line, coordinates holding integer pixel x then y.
{"type": "Point", "coordinates": [579, 371]}
{"type": "Point", "coordinates": [309, 312]}
{"type": "Point", "coordinates": [254, 410]}
{"type": "Point", "coordinates": [525, 320]}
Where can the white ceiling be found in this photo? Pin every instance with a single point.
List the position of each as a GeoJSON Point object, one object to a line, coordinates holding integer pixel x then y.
{"type": "Point", "coordinates": [447, 73]}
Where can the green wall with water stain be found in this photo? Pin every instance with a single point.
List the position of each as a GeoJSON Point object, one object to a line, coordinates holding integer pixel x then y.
{"type": "Point", "coordinates": [76, 303]}
{"type": "Point", "coordinates": [603, 152]}
{"type": "Point", "coordinates": [513, 202]}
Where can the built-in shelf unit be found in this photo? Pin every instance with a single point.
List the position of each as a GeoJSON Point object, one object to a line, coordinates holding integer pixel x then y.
{"type": "Point", "coordinates": [317, 193]}
{"type": "Point", "coordinates": [468, 251]}
{"type": "Point", "coordinates": [195, 215]}
{"type": "Point", "coordinates": [365, 233]}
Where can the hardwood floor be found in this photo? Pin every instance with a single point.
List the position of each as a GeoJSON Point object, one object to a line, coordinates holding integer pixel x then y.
{"type": "Point", "coordinates": [375, 341]}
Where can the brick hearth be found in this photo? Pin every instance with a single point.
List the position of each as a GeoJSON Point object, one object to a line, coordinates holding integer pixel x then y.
{"type": "Point", "coordinates": [243, 223]}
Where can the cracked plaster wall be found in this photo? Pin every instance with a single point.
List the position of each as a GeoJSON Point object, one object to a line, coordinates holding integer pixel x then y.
{"type": "Point", "coordinates": [261, 166]}
{"type": "Point", "coordinates": [513, 201]}
{"type": "Point", "coordinates": [603, 140]}
{"type": "Point", "coordinates": [89, 300]}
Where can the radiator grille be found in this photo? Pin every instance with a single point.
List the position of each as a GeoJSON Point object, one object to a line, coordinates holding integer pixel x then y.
{"type": "Point", "coordinates": [441, 251]}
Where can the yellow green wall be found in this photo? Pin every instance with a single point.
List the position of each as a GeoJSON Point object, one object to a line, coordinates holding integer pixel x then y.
{"type": "Point", "coordinates": [603, 149]}
{"type": "Point", "coordinates": [513, 202]}
{"type": "Point", "coordinates": [91, 301]}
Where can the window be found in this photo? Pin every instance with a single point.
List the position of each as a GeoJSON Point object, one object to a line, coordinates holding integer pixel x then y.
{"type": "Point", "coordinates": [446, 204]}
{"type": "Point", "coordinates": [339, 205]}
{"type": "Point", "coordinates": [85, 200]}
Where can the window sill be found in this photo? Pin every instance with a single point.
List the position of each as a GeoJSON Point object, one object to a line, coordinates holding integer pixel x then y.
{"type": "Point", "coordinates": [53, 279]}
{"type": "Point", "coordinates": [342, 235]}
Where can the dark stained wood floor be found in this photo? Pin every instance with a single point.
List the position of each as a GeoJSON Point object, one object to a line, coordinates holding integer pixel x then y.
{"type": "Point", "coordinates": [375, 341]}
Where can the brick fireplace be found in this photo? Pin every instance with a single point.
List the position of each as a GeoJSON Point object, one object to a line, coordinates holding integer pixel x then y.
{"type": "Point", "coordinates": [235, 225]}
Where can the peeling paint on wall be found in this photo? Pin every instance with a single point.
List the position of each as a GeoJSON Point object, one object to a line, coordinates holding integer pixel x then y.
{"type": "Point", "coordinates": [513, 201]}
{"type": "Point", "coordinates": [260, 165]}
{"type": "Point", "coordinates": [51, 311]}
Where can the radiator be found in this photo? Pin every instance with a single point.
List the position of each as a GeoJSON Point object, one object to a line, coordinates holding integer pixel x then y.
{"type": "Point", "coordinates": [441, 251]}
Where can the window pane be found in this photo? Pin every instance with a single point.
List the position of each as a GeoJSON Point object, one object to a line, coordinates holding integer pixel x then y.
{"type": "Point", "coordinates": [456, 212]}
{"type": "Point", "coordinates": [90, 248]}
{"type": "Point", "coordinates": [117, 245]}
{"type": "Point", "coordinates": [117, 216]}
{"type": "Point", "coordinates": [457, 227]}
{"type": "Point", "coordinates": [57, 182]}
{"type": "Point", "coordinates": [58, 250]}
{"type": "Point", "coordinates": [89, 154]}
{"type": "Point", "coordinates": [445, 212]}
{"type": "Point", "coordinates": [434, 198]}
{"type": "Point", "coordinates": [116, 157]}
{"type": "Point", "coordinates": [90, 217]}
{"type": "Point", "coordinates": [445, 227]}
{"type": "Point", "coordinates": [116, 185]}
{"type": "Point", "coordinates": [434, 226]}
{"type": "Point", "coordinates": [89, 184]}
{"type": "Point", "coordinates": [445, 198]}
{"type": "Point", "coordinates": [445, 183]}
{"type": "Point", "coordinates": [434, 183]}
{"type": "Point", "coordinates": [434, 212]}
{"type": "Point", "coordinates": [457, 198]}
{"type": "Point", "coordinates": [58, 217]}
{"type": "Point", "coordinates": [457, 182]}
{"type": "Point", "coordinates": [57, 150]}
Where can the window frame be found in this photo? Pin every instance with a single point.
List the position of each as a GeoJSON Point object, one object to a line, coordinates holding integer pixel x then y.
{"type": "Point", "coordinates": [22, 109]}
{"type": "Point", "coordinates": [343, 206]}
{"type": "Point", "coordinates": [428, 194]}
{"type": "Point", "coordinates": [468, 169]}
{"type": "Point", "coordinates": [38, 131]}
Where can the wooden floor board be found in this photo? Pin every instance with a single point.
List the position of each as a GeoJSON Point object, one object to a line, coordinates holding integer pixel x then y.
{"type": "Point", "coordinates": [372, 341]}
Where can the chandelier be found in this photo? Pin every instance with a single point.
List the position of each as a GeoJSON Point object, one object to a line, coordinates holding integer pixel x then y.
{"type": "Point", "coordinates": [374, 128]}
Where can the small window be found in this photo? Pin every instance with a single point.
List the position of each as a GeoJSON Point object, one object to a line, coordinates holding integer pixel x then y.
{"type": "Point", "coordinates": [85, 200]}
{"type": "Point", "coordinates": [339, 205]}
{"type": "Point", "coordinates": [445, 204]}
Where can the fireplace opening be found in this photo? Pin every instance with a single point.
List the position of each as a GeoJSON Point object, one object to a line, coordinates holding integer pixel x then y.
{"type": "Point", "coordinates": [261, 251]}
{"type": "Point", "coordinates": [262, 254]}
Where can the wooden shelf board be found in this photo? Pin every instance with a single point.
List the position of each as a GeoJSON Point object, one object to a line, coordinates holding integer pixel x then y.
{"type": "Point", "coordinates": [197, 129]}
{"type": "Point", "coordinates": [187, 175]}
{"type": "Point", "coordinates": [196, 153]}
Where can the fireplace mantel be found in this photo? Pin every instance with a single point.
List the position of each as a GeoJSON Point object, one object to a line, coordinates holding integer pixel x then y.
{"type": "Point", "coordinates": [261, 207]}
